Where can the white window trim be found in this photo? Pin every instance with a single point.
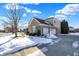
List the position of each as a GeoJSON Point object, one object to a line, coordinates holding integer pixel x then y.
{"type": "Point", "coordinates": [33, 29]}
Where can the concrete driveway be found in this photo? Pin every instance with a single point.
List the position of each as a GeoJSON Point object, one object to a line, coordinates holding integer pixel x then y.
{"type": "Point", "coordinates": [63, 47]}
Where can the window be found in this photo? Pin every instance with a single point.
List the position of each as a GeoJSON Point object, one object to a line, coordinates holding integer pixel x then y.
{"type": "Point", "coordinates": [34, 29]}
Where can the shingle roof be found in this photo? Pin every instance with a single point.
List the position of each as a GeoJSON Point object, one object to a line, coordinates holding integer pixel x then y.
{"type": "Point", "coordinates": [42, 21]}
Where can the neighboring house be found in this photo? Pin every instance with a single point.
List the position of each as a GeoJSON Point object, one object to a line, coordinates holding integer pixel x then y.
{"type": "Point", "coordinates": [76, 30]}
{"type": "Point", "coordinates": [49, 26]}
{"type": "Point", "coordinates": [71, 29]}
{"type": "Point", "coordinates": [7, 29]}
{"type": "Point", "coordinates": [1, 30]}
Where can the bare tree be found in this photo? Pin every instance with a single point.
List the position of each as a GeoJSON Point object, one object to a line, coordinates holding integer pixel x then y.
{"type": "Point", "coordinates": [14, 14]}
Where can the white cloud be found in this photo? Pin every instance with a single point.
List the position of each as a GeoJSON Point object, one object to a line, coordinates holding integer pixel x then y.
{"type": "Point", "coordinates": [32, 11]}
{"type": "Point", "coordinates": [27, 9]}
{"type": "Point", "coordinates": [12, 6]}
{"type": "Point", "coordinates": [61, 17]}
{"type": "Point", "coordinates": [7, 6]}
{"type": "Point", "coordinates": [36, 12]}
{"type": "Point", "coordinates": [4, 19]}
{"type": "Point", "coordinates": [69, 9]}
{"type": "Point", "coordinates": [50, 16]}
{"type": "Point", "coordinates": [24, 15]}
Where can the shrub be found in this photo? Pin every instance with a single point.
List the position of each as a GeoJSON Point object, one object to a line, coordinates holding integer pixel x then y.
{"type": "Point", "coordinates": [26, 31]}
{"type": "Point", "coordinates": [32, 34]}
{"type": "Point", "coordinates": [38, 33]}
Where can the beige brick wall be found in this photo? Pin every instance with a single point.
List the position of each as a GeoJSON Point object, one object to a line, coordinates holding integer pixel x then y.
{"type": "Point", "coordinates": [36, 23]}
{"type": "Point", "coordinates": [57, 24]}
{"type": "Point", "coordinates": [33, 23]}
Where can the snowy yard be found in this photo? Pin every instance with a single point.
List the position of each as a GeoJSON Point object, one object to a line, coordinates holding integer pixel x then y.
{"type": "Point", "coordinates": [4, 34]}
{"type": "Point", "coordinates": [74, 33]}
{"type": "Point", "coordinates": [8, 44]}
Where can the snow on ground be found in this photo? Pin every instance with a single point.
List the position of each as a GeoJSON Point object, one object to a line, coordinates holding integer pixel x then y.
{"type": "Point", "coordinates": [75, 44]}
{"type": "Point", "coordinates": [19, 43]}
{"type": "Point", "coordinates": [77, 34]}
{"type": "Point", "coordinates": [4, 34]}
{"type": "Point", "coordinates": [51, 43]}
{"type": "Point", "coordinates": [45, 49]}
{"type": "Point", "coordinates": [51, 36]}
{"type": "Point", "coordinates": [75, 53]}
{"type": "Point", "coordinates": [74, 33]}
{"type": "Point", "coordinates": [5, 39]}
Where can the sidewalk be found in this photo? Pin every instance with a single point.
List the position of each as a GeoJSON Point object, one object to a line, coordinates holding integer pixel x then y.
{"type": "Point", "coordinates": [34, 51]}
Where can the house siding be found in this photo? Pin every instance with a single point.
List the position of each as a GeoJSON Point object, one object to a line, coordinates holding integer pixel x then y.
{"type": "Point", "coordinates": [33, 23]}
{"type": "Point", "coordinates": [56, 25]}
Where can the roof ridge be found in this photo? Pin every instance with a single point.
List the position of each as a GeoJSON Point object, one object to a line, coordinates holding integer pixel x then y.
{"type": "Point", "coordinates": [38, 18]}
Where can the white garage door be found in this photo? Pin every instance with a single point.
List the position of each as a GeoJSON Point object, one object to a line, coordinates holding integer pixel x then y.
{"type": "Point", "coordinates": [45, 31]}
{"type": "Point", "coordinates": [52, 31]}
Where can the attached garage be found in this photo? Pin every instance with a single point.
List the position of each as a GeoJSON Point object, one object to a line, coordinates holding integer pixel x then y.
{"type": "Point", "coordinates": [52, 31]}
{"type": "Point", "coordinates": [44, 27]}
{"type": "Point", "coordinates": [45, 31]}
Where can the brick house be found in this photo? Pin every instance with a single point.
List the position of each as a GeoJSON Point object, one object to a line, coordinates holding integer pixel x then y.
{"type": "Point", "coordinates": [48, 26]}
{"type": "Point", "coordinates": [7, 29]}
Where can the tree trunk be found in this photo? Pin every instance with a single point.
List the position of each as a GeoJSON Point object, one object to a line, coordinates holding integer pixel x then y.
{"type": "Point", "coordinates": [12, 29]}
{"type": "Point", "coordinates": [15, 28]}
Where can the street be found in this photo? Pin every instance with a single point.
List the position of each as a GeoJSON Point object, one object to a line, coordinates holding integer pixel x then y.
{"type": "Point", "coordinates": [63, 47]}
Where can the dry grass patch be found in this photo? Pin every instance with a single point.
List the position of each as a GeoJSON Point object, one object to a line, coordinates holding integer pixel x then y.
{"type": "Point", "coordinates": [25, 52]}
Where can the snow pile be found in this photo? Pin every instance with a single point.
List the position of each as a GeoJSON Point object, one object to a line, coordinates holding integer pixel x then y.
{"type": "Point", "coordinates": [75, 53]}
{"type": "Point", "coordinates": [75, 44]}
{"type": "Point", "coordinates": [52, 36]}
{"type": "Point", "coordinates": [45, 49]}
{"type": "Point", "coordinates": [20, 43]}
{"type": "Point", "coordinates": [51, 43]}
{"type": "Point", "coordinates": [57, 40]}
{"type": "Point", "coordinates": [5, 39]}
{"type": "Point", "coordinates": [74, 33]}
{"type": "Point", "coordinates": [40, 40]}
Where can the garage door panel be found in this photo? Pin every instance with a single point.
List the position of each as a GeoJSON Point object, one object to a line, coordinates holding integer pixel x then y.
{"type": "Point", "coordinates": [45, 31]}
{"type": "Point", "coordinates": [52, 31]}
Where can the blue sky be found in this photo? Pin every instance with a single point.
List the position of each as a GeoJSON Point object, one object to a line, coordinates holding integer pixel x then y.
{"type": "Point", "coordinates": [67, 11]}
